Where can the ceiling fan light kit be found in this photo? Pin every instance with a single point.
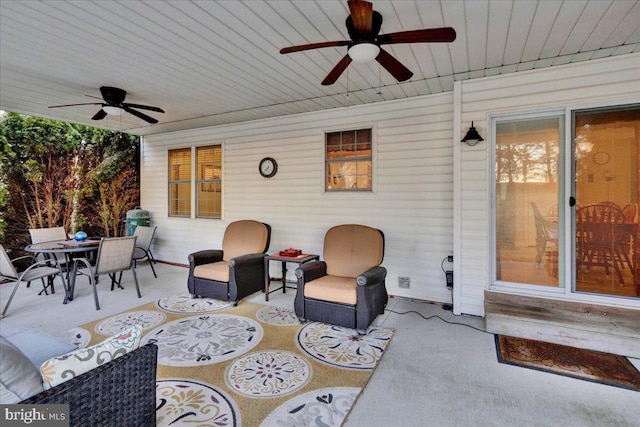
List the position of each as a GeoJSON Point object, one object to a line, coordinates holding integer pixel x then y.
{"type": "Point", "coordinates": [363, 25]}
{"type": "Point", "coordinates": [113, 111]}
{"type": "Point", "coordinates": [364, 52]}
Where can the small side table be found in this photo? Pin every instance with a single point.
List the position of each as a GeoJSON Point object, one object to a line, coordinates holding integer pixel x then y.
{"type": "Point", "coordinates": [299, 259]}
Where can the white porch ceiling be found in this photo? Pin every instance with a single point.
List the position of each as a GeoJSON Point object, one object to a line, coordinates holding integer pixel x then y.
{"type": "Point", "coordinates": [216, 62]}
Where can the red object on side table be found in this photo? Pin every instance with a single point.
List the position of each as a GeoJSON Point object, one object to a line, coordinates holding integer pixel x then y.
{"type": "Point", "coordinates": [290, 252]}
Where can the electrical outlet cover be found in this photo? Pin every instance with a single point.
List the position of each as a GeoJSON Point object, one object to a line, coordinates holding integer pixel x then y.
{"type": "Point", "coordinates": [404, 281]}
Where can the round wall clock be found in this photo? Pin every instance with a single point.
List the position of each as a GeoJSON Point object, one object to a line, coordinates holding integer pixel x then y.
{"type": "Point", "coordinates": [268, 167]}
{"type": "Point", "coordinates": [601, 158]}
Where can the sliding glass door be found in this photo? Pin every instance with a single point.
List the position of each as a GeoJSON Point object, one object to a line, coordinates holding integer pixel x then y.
{"type": "Point", "coordinates": [570, 229]}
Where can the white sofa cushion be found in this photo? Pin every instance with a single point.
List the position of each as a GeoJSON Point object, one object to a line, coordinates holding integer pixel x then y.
{"type": "Point", "coordinates": [39, 346]}
{"type": "Point", "coordinates": [19, 378]}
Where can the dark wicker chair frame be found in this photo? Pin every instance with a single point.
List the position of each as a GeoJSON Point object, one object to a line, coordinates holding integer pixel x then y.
{"type": "Point", "coordinates": [372, 298]}
{"type": "Point", "coordinates": [246, 275]}
{"type": "Point", "coordinates": [120, 392]}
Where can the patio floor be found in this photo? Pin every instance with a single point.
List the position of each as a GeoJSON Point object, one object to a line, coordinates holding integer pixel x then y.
{"type": "Point", "coordinates": [433, 373]}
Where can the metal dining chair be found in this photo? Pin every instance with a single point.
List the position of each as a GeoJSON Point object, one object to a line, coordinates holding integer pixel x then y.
{"type": "Point", "coordinates": [50, 234]}
{"type": "Point", "coordinates": [143, 246]}
{"type": "Point", "coordinates": [37, 270]}
{"type": "Point", "coordinates": [114, 256]}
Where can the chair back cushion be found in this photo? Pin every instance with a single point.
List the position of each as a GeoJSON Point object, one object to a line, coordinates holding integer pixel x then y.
{"type": "Point", "coordinates": [352, 249]}
{"type": "Point", "coordinates": [244, 237]}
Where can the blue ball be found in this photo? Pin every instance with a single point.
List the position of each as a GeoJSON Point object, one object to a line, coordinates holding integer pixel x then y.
{"type": "Point", "coordinates": [80, 236]}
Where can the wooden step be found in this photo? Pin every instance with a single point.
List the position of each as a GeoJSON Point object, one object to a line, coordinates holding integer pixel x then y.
{"type": "Point", "coordinates": [584, 325]}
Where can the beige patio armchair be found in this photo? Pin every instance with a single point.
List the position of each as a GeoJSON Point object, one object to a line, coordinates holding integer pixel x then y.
{"type": "Point", "coordinates": [348, 287]}
{"type": "Point", "coordinates": [36, 270]}
{"type": "Point", "coordinates": [236, 270]}
{"type": "Point", "coordinates": [114, 256]}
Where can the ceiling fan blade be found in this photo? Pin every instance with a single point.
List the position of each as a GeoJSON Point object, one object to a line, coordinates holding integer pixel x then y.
{"type": "Point", "coordinates": [430, 35]}
{"type": "Point", "coordinates": [337, 70]}
{"type": "Point", "coordinates": [73, 105]}
{"type": "Point", "coordinates": [314, 46]}
{"type": "Point", "coordinates": [99, 115]}
{"type": "Point", "coordinates": [143, 107]}
{"type": "Point", "coordinates": [139, 114]}
{"type": "Point", "coordinates": [361, 13]}
{"type": "Point", "coordinates": [393, 66]}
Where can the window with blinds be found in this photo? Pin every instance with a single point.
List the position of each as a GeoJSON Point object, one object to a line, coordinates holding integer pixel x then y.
{"type": "Point", "coordinates": [209, 182]}
{"type": "Point", "coordinates": [348, 160]}
{"type": "Point", "coordinates": [180, 182]}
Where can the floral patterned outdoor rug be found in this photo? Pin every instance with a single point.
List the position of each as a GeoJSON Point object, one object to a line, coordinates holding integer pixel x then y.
{"type": "Point", "coordinates": [249, 365]}
{"type": "Point", "coordinates": [573, 362]}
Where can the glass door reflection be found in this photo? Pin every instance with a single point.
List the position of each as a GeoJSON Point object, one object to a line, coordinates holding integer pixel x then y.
{"type": "Point", "coordinates": [607, 194]}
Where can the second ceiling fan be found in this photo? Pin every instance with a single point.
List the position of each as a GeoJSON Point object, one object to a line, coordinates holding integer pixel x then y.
{"type": "Point", "coordinates": [114, 104]}
{"type": "Point", "coordinates": [363, 25]}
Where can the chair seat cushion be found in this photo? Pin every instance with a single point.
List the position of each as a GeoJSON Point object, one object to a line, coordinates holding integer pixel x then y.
{"type": "Point", "coordinates": [338, 289]}
{"type": "Point", "coordinates": [218, 271]}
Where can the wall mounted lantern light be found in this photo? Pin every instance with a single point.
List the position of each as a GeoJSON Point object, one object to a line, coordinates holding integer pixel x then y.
{"type": "Point", "coordinates": [472, 137]}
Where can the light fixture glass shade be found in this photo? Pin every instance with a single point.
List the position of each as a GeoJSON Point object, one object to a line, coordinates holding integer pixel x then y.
{"type": "Point", "coordinates": [114, 111]}
{"type": "Point", "coordinates": [585, 146]}
{"type": "Point", "coordinates": [472, 137]}
{"type": "Point", "coordinates": [364, 52]}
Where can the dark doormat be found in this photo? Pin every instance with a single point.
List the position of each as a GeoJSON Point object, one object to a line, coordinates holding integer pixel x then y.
{"type": "Point", "coordinates": [572, 362]}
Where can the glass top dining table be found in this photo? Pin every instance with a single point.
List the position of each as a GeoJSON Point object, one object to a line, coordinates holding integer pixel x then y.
{"type": "Point", "coordinates": [70, 249]}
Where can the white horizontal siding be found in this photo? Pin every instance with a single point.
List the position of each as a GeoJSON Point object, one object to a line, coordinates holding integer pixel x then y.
{"type": "Point", "coordinates": [414, 162]}
{"type": "Point", "coordinates": [587, 84]}
{"type": "Point", "coordinates": [412, 201]}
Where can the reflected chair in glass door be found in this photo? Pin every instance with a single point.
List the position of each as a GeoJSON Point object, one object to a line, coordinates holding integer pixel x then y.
{"type": "Point", "coordinates": [546, 236]}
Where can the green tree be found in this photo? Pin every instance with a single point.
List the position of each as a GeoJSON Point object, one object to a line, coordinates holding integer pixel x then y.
{"type": "Point", "coordinates": [60, 174]}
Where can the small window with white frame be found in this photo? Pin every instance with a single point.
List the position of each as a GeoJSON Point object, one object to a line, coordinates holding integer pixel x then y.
{"type": "Point", "coordinates": [209, 181]}
{"type": "Point", "coordinates": [180, 182]}
{"type": "Point", "coordinates": [348, 158]}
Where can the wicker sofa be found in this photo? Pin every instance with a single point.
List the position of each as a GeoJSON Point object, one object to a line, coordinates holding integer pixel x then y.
{"type": "Point", "coordinates": [120, 392]}
{"type": "Point", "coordinates": [112, 383]}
